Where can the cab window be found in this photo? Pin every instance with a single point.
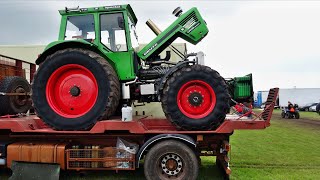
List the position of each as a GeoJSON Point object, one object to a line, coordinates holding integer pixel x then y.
{"type": "Point", "coordinates": [113, 34]}
{"type": "Point", "coordinates": [80, 27]}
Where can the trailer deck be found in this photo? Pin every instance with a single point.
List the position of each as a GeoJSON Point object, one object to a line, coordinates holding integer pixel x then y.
{"type": "Point", "coordinates": [141, 124]}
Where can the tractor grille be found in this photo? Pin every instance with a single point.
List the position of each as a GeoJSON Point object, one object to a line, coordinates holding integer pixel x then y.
{"type": "Point", "coordinates": [189, 20]}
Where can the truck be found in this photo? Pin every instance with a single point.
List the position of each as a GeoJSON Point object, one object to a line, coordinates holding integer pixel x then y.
{"type": "Point", "coordinates": [14, 86]}
{"type": "Point", "coordinates": [166, 151]}
{"type": "Point", "coordinates": [300, 96]}
{"type": "Point", "coordinates": [93, 70]}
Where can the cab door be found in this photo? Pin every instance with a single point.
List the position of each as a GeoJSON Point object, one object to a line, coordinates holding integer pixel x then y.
{"type": "Point", "coordinates": [114, 38]}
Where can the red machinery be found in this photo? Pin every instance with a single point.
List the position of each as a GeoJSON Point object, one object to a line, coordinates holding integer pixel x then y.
{"type": "Point", "coordinates": [94, 149]}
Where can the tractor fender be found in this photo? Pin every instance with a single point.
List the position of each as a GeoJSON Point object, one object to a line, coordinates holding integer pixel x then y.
{"type": "Point", "coordinates": [152, 141]}
{"type": "Point", "coordinates": [173, 69]}
{"type": "Point", "coordinates": [59, 45]}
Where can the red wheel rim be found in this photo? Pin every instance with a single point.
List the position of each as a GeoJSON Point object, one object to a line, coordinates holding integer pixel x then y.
{"type": "Point", "coordinates": [196, 99]}
{"type": "Point", "coordinates": [71, 90]}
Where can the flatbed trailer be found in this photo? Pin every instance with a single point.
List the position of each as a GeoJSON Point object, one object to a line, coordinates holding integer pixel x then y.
{"type": "Point", "coordinates": [168, 152]}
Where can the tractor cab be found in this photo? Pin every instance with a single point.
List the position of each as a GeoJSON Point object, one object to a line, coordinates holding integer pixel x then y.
{"type": "Point", "coordinates": [108, 29]}
{"type": "Point", "coordinates": [110, 26]}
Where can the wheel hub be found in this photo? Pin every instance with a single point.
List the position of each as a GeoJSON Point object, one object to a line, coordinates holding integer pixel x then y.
{"type": "Point", "coordinates": [75, 91]}
{"type": "Point", "coordinates": [20, 100]}
{"type": "Point", "coordinates": [195, 99]}
{"type": "Point", "coordinates": [171, 164]}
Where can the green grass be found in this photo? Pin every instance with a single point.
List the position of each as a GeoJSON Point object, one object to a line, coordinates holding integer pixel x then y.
{"type": "Point", "coordinates": [303, 114]}
{"type": "Point", "coordinates": [285, 150]}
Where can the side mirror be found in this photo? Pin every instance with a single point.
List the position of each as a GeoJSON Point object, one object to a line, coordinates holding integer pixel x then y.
{"type": "Point", "coordinates": [120, 22]}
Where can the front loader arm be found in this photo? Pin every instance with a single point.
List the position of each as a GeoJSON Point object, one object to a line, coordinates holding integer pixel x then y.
{"type": "Point", "coordinates": [189, 26]}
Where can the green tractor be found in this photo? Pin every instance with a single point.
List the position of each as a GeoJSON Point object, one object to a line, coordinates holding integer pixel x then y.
{"type": "Point", "coordinates": [95, 68]}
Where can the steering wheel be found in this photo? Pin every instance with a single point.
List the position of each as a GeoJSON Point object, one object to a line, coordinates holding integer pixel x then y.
{"type": "Point", "coordinates": [118, 46]}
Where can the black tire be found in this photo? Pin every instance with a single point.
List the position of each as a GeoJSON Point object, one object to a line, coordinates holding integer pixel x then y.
{"type": "Point", "coordinates": [108, 88]}
{"type": "Point", "coordinates": [297, 115]}
{"type": "Point", "coordinates": [283, 114]}
{"type": "Point", "coordinates": [182, 157]}
{"type": "Point", "coordinates": [318, 108]}
{"type": "Point", "coordinates": [14, 104]}
{"type": "Point", "coordinates": [287, 116]}
{"type": "Point", "coordinates": [213, 117]}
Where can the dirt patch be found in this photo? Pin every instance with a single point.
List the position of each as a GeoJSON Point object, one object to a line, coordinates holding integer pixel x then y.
{"type": "Point", "coordinates": [301, 121]}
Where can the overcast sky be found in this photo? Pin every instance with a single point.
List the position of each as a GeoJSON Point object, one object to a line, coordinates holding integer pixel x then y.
{"type": "Point", "coordinates": [277, 41]}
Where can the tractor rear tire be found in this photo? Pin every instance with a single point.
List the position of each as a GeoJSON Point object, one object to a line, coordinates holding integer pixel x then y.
{"type": "Point", "coordinates": [14, 104]}
{"type": "Point", "coordinates": [196, 98]}
{"type": "Point", "coordinates": [73, 88]}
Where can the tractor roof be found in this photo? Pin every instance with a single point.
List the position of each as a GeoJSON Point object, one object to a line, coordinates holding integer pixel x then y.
{"type": "Point", "coordinates": [126, 7]}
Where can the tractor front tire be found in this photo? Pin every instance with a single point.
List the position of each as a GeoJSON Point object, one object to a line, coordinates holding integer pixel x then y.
{"type": "Point", "coordinates": [14, 104]}
{"type": "Point", "coordinates": [73, 88]}
{"type": "Point", "coordinates": [196, 98]}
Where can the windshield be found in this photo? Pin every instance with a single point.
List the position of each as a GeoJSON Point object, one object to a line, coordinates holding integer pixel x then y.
{"type": "Point", "coordinates": [80, 27]}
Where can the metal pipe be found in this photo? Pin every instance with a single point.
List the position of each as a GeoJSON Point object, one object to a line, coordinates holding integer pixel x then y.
{"type": "Point", "coordinates": [157, 31]}
{"type": "Point", "coordinates": [132, 82]}
{"type": "Point", "coordinates": [160, 62]}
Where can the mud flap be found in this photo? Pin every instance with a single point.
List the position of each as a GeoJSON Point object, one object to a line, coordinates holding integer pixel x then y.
{"type": "Point", "coordinates": [34, 171]}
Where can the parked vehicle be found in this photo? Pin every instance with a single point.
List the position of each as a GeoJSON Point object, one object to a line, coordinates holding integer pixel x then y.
{"type": "Point", "coordinates": [313, 108]}
{"type": "Point", "coordinates": [307, 107]}
{"type": "Point", "coordinates": [292, 113]}
{"type": "Point", "coordinates": [318, 108]}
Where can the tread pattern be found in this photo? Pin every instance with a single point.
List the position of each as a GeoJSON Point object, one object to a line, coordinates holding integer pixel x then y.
{"type": "Point", "coordinates": [6, 85]}
{"type": "Point", "coordinates": [188, 156]}
{"type": "Point", "coordinates": [114, 96]}
{"type": "Point", "coordinates": [214, 119]}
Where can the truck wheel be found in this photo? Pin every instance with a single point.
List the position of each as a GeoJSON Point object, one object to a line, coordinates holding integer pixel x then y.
{"type": "Point", "coordinates": [14, 104]}
{"type": "Point", "coordinates": [196, 98]}
{"type": "Point", "coordinates": [73, 88]}
{"type": "Point", "coordinates": [171, 159]}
